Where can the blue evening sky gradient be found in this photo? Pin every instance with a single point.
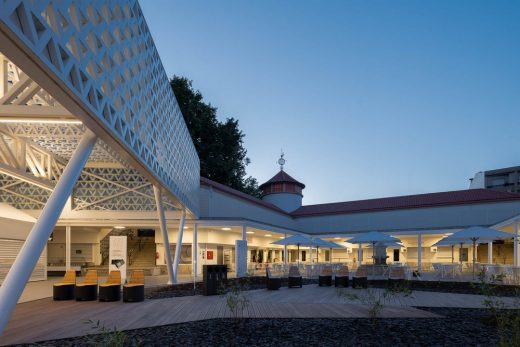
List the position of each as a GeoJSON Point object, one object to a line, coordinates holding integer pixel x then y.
{"type": "Point", "coordinates": [367, 98]}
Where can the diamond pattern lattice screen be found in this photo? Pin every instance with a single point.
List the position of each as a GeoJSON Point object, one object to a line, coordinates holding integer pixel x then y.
{"type": "Point", "coordinates": [104, 53]}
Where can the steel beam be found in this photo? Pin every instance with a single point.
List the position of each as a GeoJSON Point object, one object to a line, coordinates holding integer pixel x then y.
{"type": "Point", "coordinates": [21, 270]}
{"type": "Point", "coordinates": [178, 246]}
{"type": "Point", "coordinates": [67, 247]}
{"type": "Point", "coordinates": [164, 230]}
{"type": "Point", "coordinates": [194, 250]}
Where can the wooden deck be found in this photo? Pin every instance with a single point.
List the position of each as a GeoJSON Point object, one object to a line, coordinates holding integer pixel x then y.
{"type": "Point", "coordinates": [45, 319]}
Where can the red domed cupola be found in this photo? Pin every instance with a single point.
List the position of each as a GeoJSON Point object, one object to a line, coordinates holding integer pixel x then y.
{"type": "Point", "coordinates": [282, 182]}
{"type": "Point", "coordinates": [282, 190]}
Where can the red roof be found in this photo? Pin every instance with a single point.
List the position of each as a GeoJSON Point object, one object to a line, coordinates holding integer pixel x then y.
{"type": "Point", "coordinates": [282, 177]}
{"type": "Point", "coordinates": [459, 197]}
{"type": "Point", "coordinates": [207, 182]}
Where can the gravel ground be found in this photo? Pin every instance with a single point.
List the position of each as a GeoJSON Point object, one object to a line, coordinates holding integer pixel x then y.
{"type": "Point", "coordinates": [458, 327]}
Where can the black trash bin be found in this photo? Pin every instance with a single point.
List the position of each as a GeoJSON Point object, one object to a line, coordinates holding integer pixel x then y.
{"type": "Point", "coordinates": [214, 277]}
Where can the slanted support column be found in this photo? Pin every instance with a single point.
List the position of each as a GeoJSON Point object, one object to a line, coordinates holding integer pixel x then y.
{"type": "Point", "coordinates": [21, 270]}
{"type": "Point", "coordinates": [164, 231]}
{"type": "Point", "coordinates": [360, 254]}
{"type": "Point", "coordinates": [490, 252]}
{"type": "Point", "coordinates": [515, 244]}
{"type": "Point", "coordinates": [178, 246]}
{"type": "Point", "coordinates": [419, 253]}
{"type": "Point", "coordinates": [195, 251]}
{"type": "Point", "coordinates": [244, 232]}
{"type": "Point", "coordinates": [67, 247]}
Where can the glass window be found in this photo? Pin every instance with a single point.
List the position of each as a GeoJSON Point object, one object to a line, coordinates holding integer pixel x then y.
{"type": "Point", "coordinates": [498, 181]}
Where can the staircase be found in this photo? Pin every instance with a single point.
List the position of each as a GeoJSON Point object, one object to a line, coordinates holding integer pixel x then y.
{"type": "Point", "coordinates": [144, 256]}
{"type": "Point", "coordinates": [141, 252]}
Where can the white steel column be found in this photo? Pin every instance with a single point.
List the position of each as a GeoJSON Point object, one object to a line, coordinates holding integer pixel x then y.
{"type": "Point", "coordinates": [360, 254]}
{"type": "Point", "coordinates": [285, 253]}
{"type": "Point", "coordinates": [490, 252]}
{"type": "Point", "coordinates": [515, 244]}
{"type": "Point", "coordinates": [178, 246]}
{"type": "Point", "coordinates": [21, 270]}
{"type": "Point", "coordinates": [194, 250]}
{"type": "Point", "coordinates": [241, 254]}
{"type": "Point", "coordinates": [164, 230]}
{"type": "Point", "coordinates": [419, 253]}
{"type": "Point", "coordinates": [67, 247]}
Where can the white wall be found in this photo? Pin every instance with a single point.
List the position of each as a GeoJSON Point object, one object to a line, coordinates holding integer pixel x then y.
{"type": "Point", "coordinates": [85, 245]}
{"type": "Point", "coordinates": [14, 229]}
{"type": "Point", "coordinates": [216, 204]}
{"type": "Point", "coordinates": [446, 217]}
{"type": "Point", "coordinates": [478, 181]}
{"type": "Point", "coordinates": [286, 201]}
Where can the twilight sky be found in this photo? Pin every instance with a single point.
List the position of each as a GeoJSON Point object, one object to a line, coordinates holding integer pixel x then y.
{"type": "Point", "coordinates": [367, 99]}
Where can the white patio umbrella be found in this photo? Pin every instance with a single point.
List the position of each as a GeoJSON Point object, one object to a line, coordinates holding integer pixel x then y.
{"type": "Point", "coordinates": [327, 244]}
{"type": "Point", "coordinates": [297, 240]}
{"type": "Point", "coordinates": [475, 234]}
{"type": "Point", "coordinates": [445, 242]}
{"type": "Point", "coordinates": [390, 244]}
{"type": "Point", "coordinates": [373, 237]}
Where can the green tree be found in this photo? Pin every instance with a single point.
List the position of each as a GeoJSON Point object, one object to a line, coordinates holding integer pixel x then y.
{"type": "Point", "coordinates": [220, 145]}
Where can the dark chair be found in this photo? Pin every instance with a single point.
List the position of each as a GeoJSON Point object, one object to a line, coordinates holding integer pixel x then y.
{"type": "Point", "coordinates": [341, 278]}
{"type": "Point", "coordinates": [134, 290]}
{"type": "Point", "coordinates": [325, 277]}
{"type": "Point", "coordinates": [111, 289]}
{"type": "Point", "coordinates": [360, 279]}
{"type": "Point", "coordinates": [396, 276]}
{"type": "Point", "coordinates": [295, 278]}
{"type": "Point", "coordinates": [88, 289]}
{"type": "Point", "coordinates": [64, 290]}
{"type": "Point", "coordinates": [273, 283]}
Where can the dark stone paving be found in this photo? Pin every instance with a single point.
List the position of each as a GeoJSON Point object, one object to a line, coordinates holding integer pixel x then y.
{"type": "Point", "coordinates": [458, 327]}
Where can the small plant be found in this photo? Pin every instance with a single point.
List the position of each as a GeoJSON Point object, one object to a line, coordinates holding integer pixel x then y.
{"type": "Point", "coordinates": [400, 288]}
{"type": "Point", "coordinates": [373, 298]}
{"type": "Point", "coordinates": [106, 337]}
{"type": "Point", "coordinates": [376, 299]}
{"type": "Point", "coordinates": [507, 320]}
{"type": "Point", "coordinates": [236, 299]}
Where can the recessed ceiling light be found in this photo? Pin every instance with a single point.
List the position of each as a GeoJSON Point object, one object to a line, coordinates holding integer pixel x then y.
{"type": "Point", "coordinates": [337, 238]}
{"type": "Point", "coordinates": [186, 227]}
{"type": "Point", "coordinates": [119, 227]}
{"type": "Point", "coordinates": [250, 232]}
{"type": "Point", "coordinates": [282, 237]}
{"type": "Point", "coordinates": [268, 235]}
{"type": "Point", "coordinates": [226, 229]}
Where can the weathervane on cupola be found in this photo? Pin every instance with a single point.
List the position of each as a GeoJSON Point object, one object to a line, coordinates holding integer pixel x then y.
{"type": "Point", "coordinates": [282, 190]}
{"type": "Point", "coordinates": [281, 161]}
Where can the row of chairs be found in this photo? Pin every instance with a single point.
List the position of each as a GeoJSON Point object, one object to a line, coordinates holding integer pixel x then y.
{"type": "Point", "coordinates": [69, 289]}
{"type": "Point", "coordinates": [294, 279]}
{"type": "Point", "coordinates": [341, 277]}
